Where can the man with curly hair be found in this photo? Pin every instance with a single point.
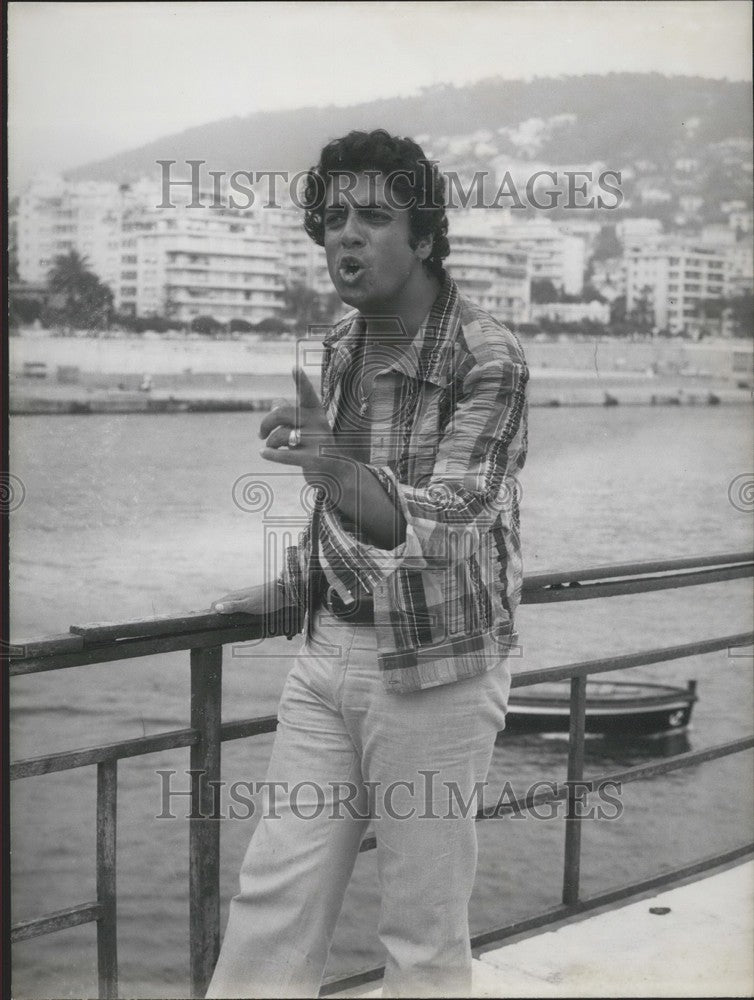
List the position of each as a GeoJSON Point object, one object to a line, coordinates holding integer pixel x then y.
{"type": "Point", "coordinates": [409, 574]}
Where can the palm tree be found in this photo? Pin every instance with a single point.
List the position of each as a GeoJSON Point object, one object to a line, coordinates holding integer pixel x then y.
{"type": "Point", "coordinates": [302, 304]}
{"type": "Point", "coordinates": [81, 298]}
{"type": "Point", "coordinates": [305, 307]}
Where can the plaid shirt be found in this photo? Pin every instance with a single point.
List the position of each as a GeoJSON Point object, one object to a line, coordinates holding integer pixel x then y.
{"type": "Point", "coordinates": [447, 439]}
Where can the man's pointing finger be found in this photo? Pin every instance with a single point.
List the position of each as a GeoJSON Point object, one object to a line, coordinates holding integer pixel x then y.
{"type": "Point", "coordinates": [307, 394]}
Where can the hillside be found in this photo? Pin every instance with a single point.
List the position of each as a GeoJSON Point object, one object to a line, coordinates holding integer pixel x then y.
{"type": "Point", "coordinates": [643, 124]}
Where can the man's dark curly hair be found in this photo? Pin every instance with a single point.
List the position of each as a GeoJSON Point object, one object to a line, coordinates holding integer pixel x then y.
{"type": "Point", "coordinates": [417, 183]}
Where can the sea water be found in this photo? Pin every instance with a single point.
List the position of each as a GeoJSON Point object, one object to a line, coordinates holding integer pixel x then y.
{"type": "Point", "coordinates": [129, 516]}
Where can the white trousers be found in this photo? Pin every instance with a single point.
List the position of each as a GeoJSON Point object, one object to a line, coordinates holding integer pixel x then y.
{"type": "Point", "coordinates": [346, 749]}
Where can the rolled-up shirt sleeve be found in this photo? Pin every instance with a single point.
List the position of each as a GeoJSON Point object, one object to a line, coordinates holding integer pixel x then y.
{"type": "Point", "coordinates": [295, 566]}
{"type": "Point", "coordinates": [473, 481]}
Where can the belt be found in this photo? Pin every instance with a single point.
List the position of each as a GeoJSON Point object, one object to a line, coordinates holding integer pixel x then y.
{"type": "Point", "coordinates": [361, 612]}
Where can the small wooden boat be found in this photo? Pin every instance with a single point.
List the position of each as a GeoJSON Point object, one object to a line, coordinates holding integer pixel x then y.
{"type": "Point", "coordinates": [629, 708]}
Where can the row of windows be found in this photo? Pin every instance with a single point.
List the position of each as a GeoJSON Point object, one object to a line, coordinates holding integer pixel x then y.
{"type": "Point", "coordinates": [262, 262]}
{"type": "Point", "coordinates": [713, 288]}
{"type": "Point", "coordinates": [223, 312]}
{"type": "Point", "coordinates": [185, 294]}
{"type": "Point", "coordinates": [272, 279]}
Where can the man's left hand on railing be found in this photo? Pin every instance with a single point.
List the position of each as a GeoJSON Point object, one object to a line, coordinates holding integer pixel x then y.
{"type": "Point", "coordinates": [266, 601]}
{"type": "Point", "coordinates": [261, 599]}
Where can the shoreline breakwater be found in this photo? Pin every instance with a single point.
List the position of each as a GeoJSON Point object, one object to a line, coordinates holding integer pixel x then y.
{"type": "Point", "coordinates": [84, 375]}
{"type": "Point", "coordinates": [50, 400]}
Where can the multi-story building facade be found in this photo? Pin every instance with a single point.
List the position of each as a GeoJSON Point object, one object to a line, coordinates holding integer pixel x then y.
{"type": "Point", "coordinates": [496, 276]}
{"type": "Point", "coordinates": [176, 262]}
{"type": "Point", "coordinates": [737, 247]}
{"type": "Point", "coordinates": [304, 262]}
{"type": "Point", "coordinates": [672, 279]}
{"type": "Point", "coordinates": [740, 267]}
{"type": "Point", "coordinates": [551, 253]}
{"type": "Point", "coordinates": [208, 265]}
{"type": "Point", "coordinates": [635, 231]}
{"type": "Point", "coordinates": [571, 312]}
{"type": "Point", "coordinates": [55, 217]}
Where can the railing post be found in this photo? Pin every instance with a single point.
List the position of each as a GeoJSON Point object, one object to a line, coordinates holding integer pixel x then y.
{"type": "Point", "coordinates": [204, 826]}
{"type": "Point", "coordinates": [107, 944]}
{"type": "Point", "coordinates": [572, 862]}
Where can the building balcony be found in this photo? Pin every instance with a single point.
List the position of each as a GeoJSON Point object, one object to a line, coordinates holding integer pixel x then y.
{"type": "Point", "coordinates": [212, 286]}
{"type": "Point", "coordinates": [210, 302]}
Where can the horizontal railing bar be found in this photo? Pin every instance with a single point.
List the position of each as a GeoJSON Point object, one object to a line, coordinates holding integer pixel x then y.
{"type": "Point", "coordinates": [652, 769]}
{"type": "Point", "coordinates": [196, 621]}
{"type": "Point", "coordinates": [675, 763]}
{"type": "Point", "coordinates": [126, 649]}
{"type": "Point", "coordinates": [641, 585]}
{"type": "Point", "coordinates": [649, 770]}
{"type": "Point", "coordinates": [188, 621]}
{"type": "Point", "coordinates": [626, 660]}
{"type": "Point", "coordinates": [240, 728]}
{"type": "Point", "coordinates": [495, 937]}
{"type": "Point", "coordinates": [58, 921]}
{"type": "Point", "coordinates": [25, 649]}
{"type": "Point", "coordinates": [137, 747]}
{"type": "Point", "coordinates": [535, 580]}
{"type": "Point", "coordinates": [129, 648]}
{"type": "Point", "coordinates": [168, 633]}
{"type": "Point", "coordinates": [69, 759]}
{"type": "Point", "coordinates": [624, 892]}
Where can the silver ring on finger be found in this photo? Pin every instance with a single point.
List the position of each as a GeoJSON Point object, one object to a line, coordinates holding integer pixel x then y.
{"type": "Point", "coordinates": [294, 438]}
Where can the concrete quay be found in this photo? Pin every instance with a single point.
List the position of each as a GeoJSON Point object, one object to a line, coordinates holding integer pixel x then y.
{"type": "Point", "coordinates": [695, 940]}
{"type": "Point", "coordinates": [214, 392]}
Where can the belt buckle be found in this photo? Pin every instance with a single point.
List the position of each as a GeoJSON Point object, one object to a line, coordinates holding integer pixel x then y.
{"type": "Point", "coordinates": [356, 613]}
{"type": "Point", "coordinates": [335, 605]}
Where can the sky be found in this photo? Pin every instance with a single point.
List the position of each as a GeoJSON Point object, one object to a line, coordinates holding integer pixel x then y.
{"type": "Point", "coordinates": [87, 80]}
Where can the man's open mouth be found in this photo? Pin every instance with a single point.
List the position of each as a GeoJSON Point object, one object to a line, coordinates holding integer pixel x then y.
{"type": "Point", "coordinates": [350, 268]}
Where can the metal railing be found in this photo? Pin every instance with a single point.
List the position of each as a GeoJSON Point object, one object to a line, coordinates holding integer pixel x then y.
{"type": "Point", "coordinates": [205, 633]}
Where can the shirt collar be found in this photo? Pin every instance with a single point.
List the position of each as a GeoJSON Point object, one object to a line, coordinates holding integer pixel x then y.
{"type": "Point", "coordinates": [426, 355]}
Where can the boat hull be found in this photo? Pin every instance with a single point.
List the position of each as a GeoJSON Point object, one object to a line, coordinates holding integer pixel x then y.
{"type": "Point", "coordinates": [615, 709]}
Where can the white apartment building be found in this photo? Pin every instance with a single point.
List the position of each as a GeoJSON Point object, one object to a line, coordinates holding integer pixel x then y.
{"type": "Point", "coordinates": [571, 312]}
{"type": "Point", "coordinates": [740, 267]}
{"type": "Point", "coordinates": [176, 261]}
{"type": "Point", "coordinates": [55, 217]}
{"type": "Point", "coordinates": [739, 252]}
{"type": "Point", "coordinates": [97, 220]}
{"type": "Point", "coordinates": [584, 229]}
{"type": "Point", "coordinates": [637, 230]}
{"type": "Point", "coordinates": [673, 277]}
{"type": "Point", "coordinates": [494, 275]}
{"type": "Point", "coordinates": [303, 261]}
{"type": "Point", "coordinates": [207, 264]}
{"type": "Point", "coordinates": [551, 253]}
{"type": "Point", "coordinates": [741, 220]}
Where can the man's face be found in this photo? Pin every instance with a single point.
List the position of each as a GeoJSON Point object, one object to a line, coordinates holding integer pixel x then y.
{"type": "Point", "coordinates": [367, 242]}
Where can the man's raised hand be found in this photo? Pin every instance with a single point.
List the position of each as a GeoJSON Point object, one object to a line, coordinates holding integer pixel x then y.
{"type": "Point", "coordinates": [307, 416]}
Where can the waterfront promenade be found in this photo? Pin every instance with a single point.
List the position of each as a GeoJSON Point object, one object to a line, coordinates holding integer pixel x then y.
{"type": "Point", "coordinates": [52, 375]}
{"type": "Point", "coordinates": [604, 951]}
{"type": "Point", "coordinates": [695, 940]}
